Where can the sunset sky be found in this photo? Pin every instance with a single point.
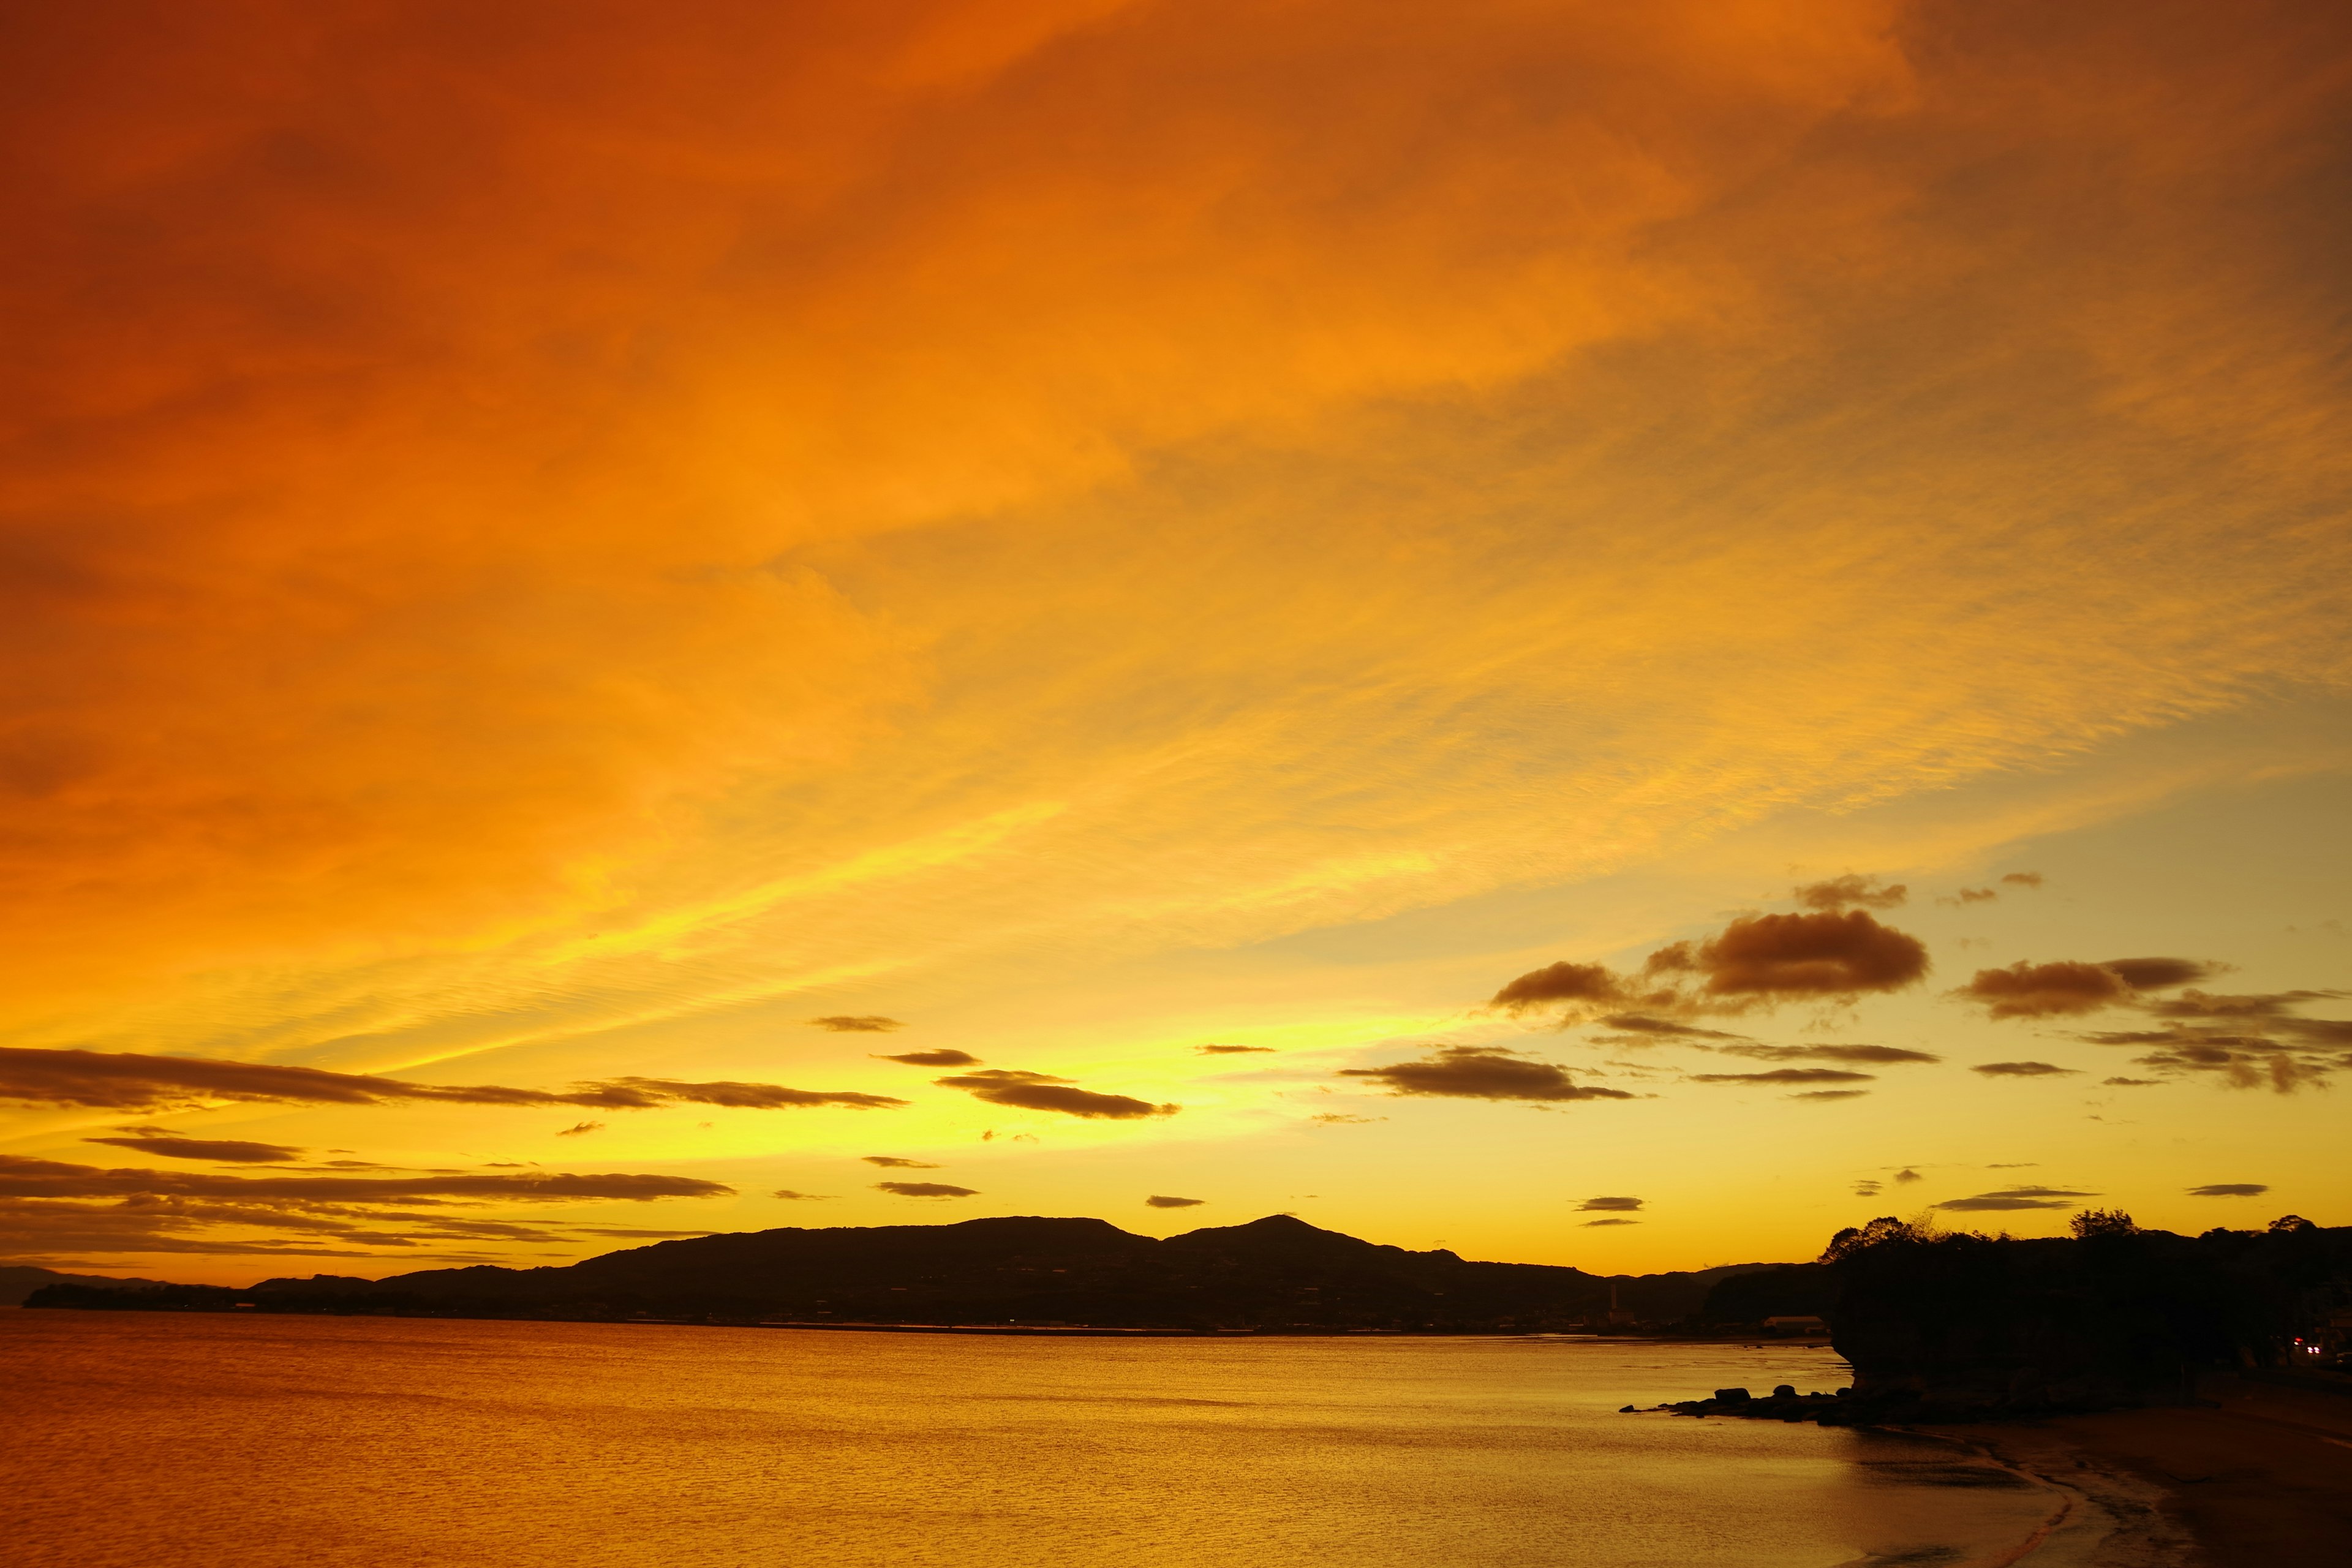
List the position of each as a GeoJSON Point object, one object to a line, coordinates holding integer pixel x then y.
{"type": "Point", "coordinates": [1573, 587]}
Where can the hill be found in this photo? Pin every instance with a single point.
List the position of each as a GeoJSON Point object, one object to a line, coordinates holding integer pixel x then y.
{"type": "Point", "coordinates": [1277, 1273]}
{"type": "Point", "coordinates": [19, 1280]}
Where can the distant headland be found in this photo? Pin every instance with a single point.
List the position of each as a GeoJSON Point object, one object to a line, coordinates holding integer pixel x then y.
{"type": "Point", "coordinates": [1278, 1275]}
{"type": "Point", "coordinates": [1937, 1326]}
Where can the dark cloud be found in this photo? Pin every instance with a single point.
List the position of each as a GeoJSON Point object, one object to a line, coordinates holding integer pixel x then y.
{"type": "Point", "coordinates": [857, 1024]}
{"type": "Point", "coordinates": [1563, 982]}
{"type": "Point", "coordinates": [2160, 974]}
{"type": "Point", "coordinates": [1482, 1072]}
{"type": "Point", "coordinates": [1865, 1188]}
{"type": "Point", "coordinates": [2130, 1082]}
{"type": "Point", "coordinates": [2229, 1190]}
{"type": "Point", "coordinates": [1042, 1092]}
{"type": "Point", "coordinates": [791, 1197]}
{"type": "Point", "coordinates": [1596, 1224]}
{"type": "Point", "coordinates": [2026, 990]}
{"type": "Point", "coordinates": [925, 1190]}
{"type": "Point", "coordinates": [581, 1129]}
{"type": "Point", "coordinates": [750, 1096]}
{"type": "Point", "coordinates": [220, 1150]}
{"type": "Point", "coordinates": [1887, 1055]}
{"type": "Point", "coordinates": [1609, 1205]}
{"type": "Point", "coordinates": [1643, 1024]}
{"type": "Point", "coordinates": [1757, 961]}
{"type": "Point", "coordinates": [598, 1231]}
{"type": "Point", "coordinates": [1798, 957]}
{"type": "Point", "coordinates": [1156, 1202]}
{"type": "Point", "coordinates": [2023, 1069]}
{"type": "Point", "coordinates": [2023, 878]}
{"type": "Point", "coordinates": [892, 1162]}
{"type": "Point", "coordinates": [128, 1082]}
{"type": "Point", "coordinates": [1786, 1076]}
{"type": "Point", "coordinates": [2029, 989]}
{"type": "Point", "coordinates": [2009, 1198]}
{"type": "Point", "coordinates": [1232, 1050]}
{"type": "Point", "coordinates": [1831, 1094]}
{"type": "Point", "coordinates": [2270, 1006]}
{"type": "Point", "coordinates": [2244, 1041]}
{"type": "Point", "coordinates": [1852, 893]}
{"type": "Point", "coordinates": [21, 1177]}
{"type": "Point", "coordinates": [1908, 1174]}
{"type": "Point", "coordinates": [938, 1058]}
{"type": "Point", "coordinates": [1972, 896]}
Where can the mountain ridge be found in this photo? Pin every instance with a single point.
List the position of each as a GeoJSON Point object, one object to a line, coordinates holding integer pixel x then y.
{"type": "Point", "coordinates": [1277, 1272]}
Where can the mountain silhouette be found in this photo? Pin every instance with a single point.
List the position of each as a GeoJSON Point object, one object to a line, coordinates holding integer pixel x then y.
{"type": "Point", "coordinates": [1277, 1273]}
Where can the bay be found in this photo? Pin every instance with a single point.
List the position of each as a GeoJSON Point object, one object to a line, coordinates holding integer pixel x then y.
{"type": "Point", "coordinates": [163, 1440]}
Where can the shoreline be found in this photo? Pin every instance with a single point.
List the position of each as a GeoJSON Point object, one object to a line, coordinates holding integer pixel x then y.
{"type": "Point", "coordinates": [2253, 1476]}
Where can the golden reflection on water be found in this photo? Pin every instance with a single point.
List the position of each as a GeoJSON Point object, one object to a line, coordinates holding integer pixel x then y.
{"type": "Point", "coordinates": [192, 1441]}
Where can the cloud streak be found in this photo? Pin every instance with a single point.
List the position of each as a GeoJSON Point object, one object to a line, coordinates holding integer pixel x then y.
{"type": "Point", "coordinates": [1044, 1091]}
{"type": "Point", "coordinates": [1754, 962]}
{"type": "Point", "coordinates": [127, 1081]}
{"type": "Point", "coordinates": [1482, 1072]}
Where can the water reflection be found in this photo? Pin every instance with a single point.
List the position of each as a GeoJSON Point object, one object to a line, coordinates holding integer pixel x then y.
{"type": "Point", "coordinates": [149, 1440]}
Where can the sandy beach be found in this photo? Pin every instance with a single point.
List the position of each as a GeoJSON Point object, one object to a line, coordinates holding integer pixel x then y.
{"type": "Point", "coordinates": [2260, 1476]}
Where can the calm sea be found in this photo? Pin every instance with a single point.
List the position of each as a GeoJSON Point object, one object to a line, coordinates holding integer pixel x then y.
{"type": "Point", "coordinates": [196, 1441]}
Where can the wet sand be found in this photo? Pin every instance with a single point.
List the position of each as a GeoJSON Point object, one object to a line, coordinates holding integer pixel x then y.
{"type": "Point", "coordinates": [2262, 1479]}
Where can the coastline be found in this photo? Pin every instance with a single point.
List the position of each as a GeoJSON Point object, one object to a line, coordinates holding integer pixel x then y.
{"type": "Point", "coordinates": [2254, 1476]}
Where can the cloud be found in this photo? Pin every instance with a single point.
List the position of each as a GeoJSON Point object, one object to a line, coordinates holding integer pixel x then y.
{"type": "Point", "coordinates": [1042, 1092]}
{"type": "Point", "coordinates": [1970, 896]}
{"type": "Point", "coordinates": [893, 1162]}
{"type": "Point", "coordinates": [2243, 1041]}
{"type": "Point", "coordinates": [2009, 1198]}
{"type": "Point", "coordinates": [2023, 1069]}
{"type": "Point", "coordinates": [1755, 961]}
{"type": "Point", "coordinates": [1865, 1188]}
{"type": "Point", "coordinates": [749, 1096]}
{"type": "Point", "coordinates": [1798, 957]}
{"type": "Point", "coordinates": [1851, 892]}
{"type": "Point", "coordinates": [128, 1082]}
{"type": "Point", "coordinates": [2029, 989]}
{"type": "Point", "coordinates": [1831, 1094]}
{"type": "Point", "coordinates": [791, 1197]}
{"type": "Point", "coordinates": [1889, 1056]}
{"type": "Point", "coordinates": [581, 1129]}
{"type": "Point", "coordinates": [1336, 1119]}
{"type": "Point", "coordinates": [21, 1177]}
{"type": "Point", "coordinates": [2229, 1190]}
{"type": "Point", "coordinates": [1907, 1174]}
{"type": "Point", "coordinates": [1231, 1050]}
{"type": "Point", "coordinates": [2026, 990]}
{"type": "Point", "coordinates": [936, 1059]}
{"type": "Point", "coordinates": [1786, 1076]}
{"type": "Point", "coordinates": [2269, 1006]}
{"type": "Point", "coordinates": [1156, 1202]}
{"type": "Point", "coordinates": [1482, 1072]}
{"type": "Point", "coordinates": [925, 1190]}
{"type": "Point", "coordinates": [1562, 982]}
{"type": "Point", "coordinates": [1596, 1224]}
{"type": "Point", "coordinates": [1610, 1205]}
{"type": "Point", "coordinates": [2130, 1082]}
{"type": "Point", "coordinates": [2023, 878]}
{"type": "Point", "coordinates": [1643, 1024]}
{"type": "Point", "coordinates": [857, 1024]}
{"type": "Point", "coordinates": [47, 1204]}
{"type": "Point", "coordinates": [171, 1145]}
{"type": "Point", "coordinates": [2160, 973]}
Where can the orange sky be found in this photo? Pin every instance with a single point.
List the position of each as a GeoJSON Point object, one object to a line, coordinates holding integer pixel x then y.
{"type": "Point", "coordinates": [553, 549]}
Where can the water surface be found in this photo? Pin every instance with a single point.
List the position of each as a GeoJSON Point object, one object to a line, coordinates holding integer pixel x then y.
{"type": "Point", "coordinates": [196, 1440]}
